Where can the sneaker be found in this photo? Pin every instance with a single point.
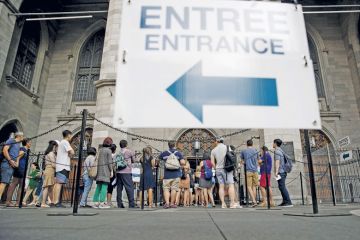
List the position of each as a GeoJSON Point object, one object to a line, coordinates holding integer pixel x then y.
{"type": "Point", "coordinates": [59, 205]}
{"type": "Point", "coordinates": [96, 205]}
{"type": "Point", "coordinates": [209, 206]}
{"type": "Point", "coordinates": [287, 205]}
{"type": "Point", "coordinates": [166, 206]}
{"type": "Point", "coordinates": [104, 206]}
{"type": "Point", "coordinates": [282, 204]}
{"type": "Point", "coordinates": [223, 206]}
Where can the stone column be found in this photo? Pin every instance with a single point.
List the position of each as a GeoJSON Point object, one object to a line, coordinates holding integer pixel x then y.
{"type": "Point", "coordinates": [106, 83]}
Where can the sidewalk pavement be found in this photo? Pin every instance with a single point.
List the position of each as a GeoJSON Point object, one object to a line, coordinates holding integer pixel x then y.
{"type": "Point", "coordinates": [181, 224]}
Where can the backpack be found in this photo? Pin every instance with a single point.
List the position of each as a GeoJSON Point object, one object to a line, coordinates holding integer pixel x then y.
{"type": "Point", "coordinates": [172, 162]}
{"type": "Point", "coordinates": [92, 172]}
{"type": "Point", "coordinates": [207, 171]}
{"type": "Point", "coordinates": [230, 160]}
{"type": "Point", "coordinates": [287, 164]}
{"type": "Point", "coordinates": [120, 162]}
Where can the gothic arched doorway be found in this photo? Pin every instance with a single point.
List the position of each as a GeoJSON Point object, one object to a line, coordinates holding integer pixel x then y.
{"type": "Point", "coordinates": [323, 153]}
{"type": "Point", "coordinates": [9, 128]}
{"type": "Point", "coordinates": [185, 143]}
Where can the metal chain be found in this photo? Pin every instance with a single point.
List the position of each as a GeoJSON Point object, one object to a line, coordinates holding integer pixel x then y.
{"type": "Point", "coordinates": [159, 139]}
{"type": "Point", "coordinates": [44, 133]}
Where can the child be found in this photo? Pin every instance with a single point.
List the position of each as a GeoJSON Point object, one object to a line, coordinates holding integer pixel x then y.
{"type": "Point", "coordinates": [185, 184]}
{"type": "Point", "coordinates": [34, 178]}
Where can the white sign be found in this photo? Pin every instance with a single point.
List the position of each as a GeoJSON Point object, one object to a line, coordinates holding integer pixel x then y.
{"type": "Point", "coordinates": [344, 141]}
{"type": "Point", "coordinates": [346, 156]}
{"type": "Point", "coordinates": [214, 64]}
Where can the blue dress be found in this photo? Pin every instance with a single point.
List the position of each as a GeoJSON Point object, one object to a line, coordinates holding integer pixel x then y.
{"type": "Point", "coordinates": [148, 174]}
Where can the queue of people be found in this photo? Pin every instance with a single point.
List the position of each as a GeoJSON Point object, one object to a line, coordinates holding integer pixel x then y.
{"type": "Point", "coordinates": [107, 168]}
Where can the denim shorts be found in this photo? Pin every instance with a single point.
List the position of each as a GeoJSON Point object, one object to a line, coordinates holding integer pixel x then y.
{"type": "Point", "coordinates": [62, 176]}
{"type": "Point", "coordinates": [224, 177]}
{"type": "Point", "coordinates": [6, 172]}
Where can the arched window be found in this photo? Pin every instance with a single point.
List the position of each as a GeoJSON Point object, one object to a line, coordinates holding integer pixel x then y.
{"type": "Point", "coordinates": [317, 69]}
{"type": "Point", "coordinates": [186, 140]}
{"type": "Point", "coordinates": [26, 54]}
{"type": "Point", "coordinates": [89, 68]}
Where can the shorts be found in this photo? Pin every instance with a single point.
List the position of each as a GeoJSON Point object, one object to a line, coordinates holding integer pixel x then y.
{"type": "Point", "coordinates": [19, 173]}
{"type": "Point", "coordinates": [205, 183]}
{"type": "Point", "coordinates": [6, 172]}
{"type": "Point", "coordinates": [171, 184]}
{"type": "Point", "coordinates": [224, 177]}
{"type": "Point", "coordinates": [263, 180]}
{"type": "Point", "coordinates": [252, 179]}
{"type": "Point", "coordinates": [62, 176]}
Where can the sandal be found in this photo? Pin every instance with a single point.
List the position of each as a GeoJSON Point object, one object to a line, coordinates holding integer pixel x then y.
{"type": "Point", "coordinates": [44, 206]}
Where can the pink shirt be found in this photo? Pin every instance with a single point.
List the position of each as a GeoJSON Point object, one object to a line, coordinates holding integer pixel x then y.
{"type": "Point", "coordinates": [129, 158]}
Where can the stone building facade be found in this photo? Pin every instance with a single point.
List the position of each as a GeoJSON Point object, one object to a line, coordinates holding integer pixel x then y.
{"type": "Point", "coordinates": [51, 70]}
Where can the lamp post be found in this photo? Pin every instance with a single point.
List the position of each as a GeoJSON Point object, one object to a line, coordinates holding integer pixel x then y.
{"type": "Point", "coordinates": [196, 146]}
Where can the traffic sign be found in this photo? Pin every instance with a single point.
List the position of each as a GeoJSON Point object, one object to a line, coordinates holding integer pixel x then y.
{"type": "Point", "coordinates": [214, 64]}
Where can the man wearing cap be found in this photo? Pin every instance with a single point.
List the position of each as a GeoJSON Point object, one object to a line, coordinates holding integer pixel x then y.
{"type": "Point", "coordinates": [64, 153]}
{"type": "Point", "coordinates": [8, 163]}
{"type": "Point", "coordinates": [224, 178]}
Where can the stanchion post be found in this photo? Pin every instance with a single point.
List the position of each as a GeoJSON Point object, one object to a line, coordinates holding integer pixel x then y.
{"type": "Point", "coordinates": [267, 181]}
{"type": "Point", "coordinates": [239, 188]}
{"type": "Point", "coordinates": [157, 184]}
{"type": "Point", "coordinates": [311, 173]}
{"type": "Point", "coordinates": [73, 187]}
{"type": "Point", "coordinates": [302, 189]}
{"type": "Point", "coordinates": [24, 178]}
{"type": "Point", "coordinates": [143, 183]}
{"type": "Point", "coordinates": [79, 167]}
{"type": "Point", "coordinates": [246, 189]}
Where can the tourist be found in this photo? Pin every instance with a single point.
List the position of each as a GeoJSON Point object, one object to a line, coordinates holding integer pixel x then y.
{"type": "Point", "coordinates": [206, 180]}
{"type": "Point", "coordinates": [250, 158]}
{"type": "Point", "coordinates": [172, 174]}
{"type": "Point", "coordinates": [33, 181]}
{"type": "Point", "coordinates": [124, 176]}
{"type": "Point", "coordinates": [113, 179]}
{"type": "Point", "coordinates": [184, 185]}
{"type": "Point", "coordinates": [148, 162]}
{"type": "Point", "coordinates": [281, 174]}
{"type": "Point", "coordinates": [64, 152]}
{"type": "Point", "coordinates": [88, 181]}
{"type": "Point", "coordinates": [19, 173]}
{"type": "Point", "coordinates": [198, 190]}
{"type": "Point", "coordinates": [104, 174]}
{"type": "Point", "coordinates": [223, 177]}
{"type": "Point", "coordinates": [263, 171]}
{"type": "Point", "coordinates": [49, 174]}
{"type": "Point", "coordinates": [9, 156]}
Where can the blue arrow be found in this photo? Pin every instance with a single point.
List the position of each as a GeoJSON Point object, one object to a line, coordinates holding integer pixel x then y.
{"type": "Point", "coordinates": [193, 91]}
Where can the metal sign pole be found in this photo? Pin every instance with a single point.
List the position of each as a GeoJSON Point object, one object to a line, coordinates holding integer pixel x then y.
{"type": "Point", "coordinates": [311, 173]}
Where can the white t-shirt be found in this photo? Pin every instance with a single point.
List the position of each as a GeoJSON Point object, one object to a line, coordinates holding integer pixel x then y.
{"type": "Point", "coordinates": [62, 158]}
{"type": "Point", "coordinates": [219, 153]}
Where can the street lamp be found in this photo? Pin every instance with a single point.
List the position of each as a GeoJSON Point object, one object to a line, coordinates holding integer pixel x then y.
{"type": "Point", "coordinates": [196, 146]}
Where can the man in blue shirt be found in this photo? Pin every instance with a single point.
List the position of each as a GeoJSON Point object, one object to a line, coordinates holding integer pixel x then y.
{"type": "Point", "coordinates": [172, 174]}
{"type": "Point", "coordinates": [10, 153]}
{"type": "Point", "coordinates": [281, 173]}
{"type": "Point", "coordinates": [250, 157]}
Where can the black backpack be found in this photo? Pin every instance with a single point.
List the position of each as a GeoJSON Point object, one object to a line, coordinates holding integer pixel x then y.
{"type": "Point", "coordinates": [230, 160]}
